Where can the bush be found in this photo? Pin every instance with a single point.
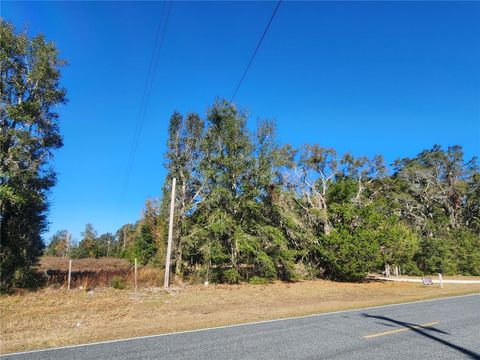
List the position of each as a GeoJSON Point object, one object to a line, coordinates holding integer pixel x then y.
{"type": "Point", "coordinates": [255, 280]}
{"type": "Point", "coordinates": [466, 250]}
{"type": "Point", "coordinates": [266, 266]}
{"type": "Point", "coordinates": [349, 257]}
{"type": "Point", "coordinates": [231, 276]}
{"type": "Point", "coordinates": [410, 268]}
{"type": "Point", "coordinates": [118, 283]}
{"type": "Point", "coordinates": [288, 271]}
{"type": "Point", "coordinates": [28, 278]}
{"type": "Point", "coordinates": [456, 253]}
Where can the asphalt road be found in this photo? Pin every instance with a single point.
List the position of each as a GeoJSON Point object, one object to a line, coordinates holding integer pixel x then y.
{"type": "Point", "coordinates": [438, 329]}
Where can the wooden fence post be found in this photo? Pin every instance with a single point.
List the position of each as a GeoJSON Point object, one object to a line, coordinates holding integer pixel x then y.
{"type": "Point", "coordinates": [135, 274]}
{"type": "Point", "coordinates": [69, 273]}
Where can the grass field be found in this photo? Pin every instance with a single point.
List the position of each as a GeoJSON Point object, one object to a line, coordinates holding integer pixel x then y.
{"type": "Point", "coordinates": [90, 264]}
{"type": "Point", "coordinates": [56, 317]}
{"type": "Point", "coordinates": [93, 273]}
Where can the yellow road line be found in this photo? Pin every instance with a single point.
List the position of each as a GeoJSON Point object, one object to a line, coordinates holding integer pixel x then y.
{"type": "Point", "coordinates": [400, 330]}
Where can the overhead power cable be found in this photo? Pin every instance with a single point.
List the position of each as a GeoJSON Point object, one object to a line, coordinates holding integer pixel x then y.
{"type": "Point", "coordinates": [255, 51]}
{"type": "Point", "coordinates": [159, 38]}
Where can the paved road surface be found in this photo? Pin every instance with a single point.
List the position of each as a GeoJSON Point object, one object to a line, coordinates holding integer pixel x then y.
{"type": "Point", "coordinates": [439, 329]}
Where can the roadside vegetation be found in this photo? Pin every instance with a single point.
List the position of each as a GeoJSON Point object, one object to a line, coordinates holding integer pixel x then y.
{"type": "Point", "coordinates": [247, 207]}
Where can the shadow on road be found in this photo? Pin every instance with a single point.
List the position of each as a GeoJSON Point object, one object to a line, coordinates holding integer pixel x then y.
{"type": "Point", "coordinates": [423, 332]}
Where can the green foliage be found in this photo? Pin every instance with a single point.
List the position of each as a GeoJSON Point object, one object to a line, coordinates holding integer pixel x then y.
{"type": "Point", "coordinates": [466, 251]}
{"type": "Point", "coordinates": [95, 246]}
{"type": "Point", "coordinates": [30, 92]}
{"type": "Point", "coordinates": [231, 276]}
{"type": "Point", "coordinates": [266, 266]}
{"type": "Point", "coordinates": [145, 245]}
{"type": "Point", "coordinates": [88, 246]}
{"type": "Point", "coordinates": [458, 252]}
{"type": "Point", "coordinates": [433, 255]}
{"type": "Point", "coordinates": [398, 243]}
{"type": "Point", "coordinates": [349, 256]}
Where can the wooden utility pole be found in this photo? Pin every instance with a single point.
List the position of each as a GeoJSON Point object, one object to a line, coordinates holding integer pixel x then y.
{"type": "Point", "coordinates": [170, 235]}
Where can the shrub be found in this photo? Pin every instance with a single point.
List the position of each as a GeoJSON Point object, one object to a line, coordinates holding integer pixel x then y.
{"type": "Point", "coordinates": [266, 266]}
{"type": "Point", "coordinates": [410, 268]}
{"type": "Point", "coordinates": [231, 276]}
{"type": "Point", "coordinates": [118, 283]}
{"type": "Point", "coordinates": [255, 280]}
{"type": "Point", "coordinates": [28, 278]}
{"type": "Point", "coordinates": [288, 271]}
{"type": "Point", "coordinates": [349, 257]}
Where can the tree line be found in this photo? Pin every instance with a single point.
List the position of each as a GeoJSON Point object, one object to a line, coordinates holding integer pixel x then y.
{"type": "Point", "coordinates": [248, 208]}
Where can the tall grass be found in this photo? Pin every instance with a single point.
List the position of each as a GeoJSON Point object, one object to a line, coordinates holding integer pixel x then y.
{"type": "Point", "coordinates": [93, 273]}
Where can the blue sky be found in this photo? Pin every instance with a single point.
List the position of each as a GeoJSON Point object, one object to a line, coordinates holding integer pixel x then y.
{"type": "Point", "coordinates": [382, 77]}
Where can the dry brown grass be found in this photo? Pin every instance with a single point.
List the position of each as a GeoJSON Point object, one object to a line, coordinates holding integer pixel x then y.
{"type": "Point", "coordinates": [50, 317]}
{"type": "Point", "coordinates": [87, 264]}
{"type": "Point", "coordinates": [92, 273]}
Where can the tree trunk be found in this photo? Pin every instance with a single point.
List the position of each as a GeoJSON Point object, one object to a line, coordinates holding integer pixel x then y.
{"type": "Point", "coordinates": [178, 264]}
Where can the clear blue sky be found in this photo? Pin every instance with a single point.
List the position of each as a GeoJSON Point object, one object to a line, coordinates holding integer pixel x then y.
{"type": "Point", "coordinates": [382, 77]}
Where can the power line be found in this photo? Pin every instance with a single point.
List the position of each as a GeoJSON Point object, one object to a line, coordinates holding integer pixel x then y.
{"type": "Point", "coordinates": [160, 35]}
{"type": "Point", "coordinates": [147, 85]}
{"type": "Point", "coordinates": [255, 51]}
